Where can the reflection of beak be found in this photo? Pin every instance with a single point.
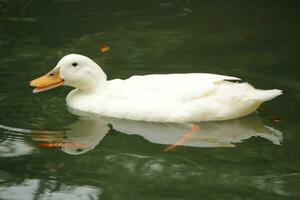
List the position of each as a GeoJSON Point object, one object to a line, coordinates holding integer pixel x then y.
{"type": "Point", "coordinates": [48, 136]}
{"type": "Point", "coordinates": [47, 82]}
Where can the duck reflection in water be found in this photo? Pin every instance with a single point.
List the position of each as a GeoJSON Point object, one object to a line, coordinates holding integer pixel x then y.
{"type": "Point", "coordinates": [86, 133]}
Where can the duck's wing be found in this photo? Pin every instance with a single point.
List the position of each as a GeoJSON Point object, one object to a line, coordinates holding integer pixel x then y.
{"type": "Point", "coordinates": [172, 86]}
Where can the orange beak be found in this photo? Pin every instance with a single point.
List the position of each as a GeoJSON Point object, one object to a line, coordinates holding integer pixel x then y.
{"type": "Point", "coordinates": [47, 82]}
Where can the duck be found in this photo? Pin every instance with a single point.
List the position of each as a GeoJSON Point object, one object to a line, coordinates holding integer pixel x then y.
{"type": "Point", "coordinates": [178, 98]}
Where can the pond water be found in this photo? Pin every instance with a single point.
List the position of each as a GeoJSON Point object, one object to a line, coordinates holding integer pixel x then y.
{"type": "Point", "coordinates": [46, 152]}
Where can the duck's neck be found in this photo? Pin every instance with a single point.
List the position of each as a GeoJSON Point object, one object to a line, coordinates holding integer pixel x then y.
{"type": "Point", "coordinates": [97, 87]}
{"type": "Point", "coordinates": [97, 83]}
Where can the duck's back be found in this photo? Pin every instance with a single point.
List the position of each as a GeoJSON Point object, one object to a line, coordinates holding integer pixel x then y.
{"type": "Point", "coordinates": [174, 87]}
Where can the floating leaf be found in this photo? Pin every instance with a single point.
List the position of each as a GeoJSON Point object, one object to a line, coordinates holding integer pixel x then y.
{"type": "Point", "coordinates": [104, 48]}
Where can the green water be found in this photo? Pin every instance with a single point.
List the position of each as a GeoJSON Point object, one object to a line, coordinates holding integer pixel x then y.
{"type": "Point", "coordinates": [252, 158]}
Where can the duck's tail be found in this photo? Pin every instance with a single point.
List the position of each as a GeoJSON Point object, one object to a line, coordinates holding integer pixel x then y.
{"type": "Point", "coordinates": [266, 95]}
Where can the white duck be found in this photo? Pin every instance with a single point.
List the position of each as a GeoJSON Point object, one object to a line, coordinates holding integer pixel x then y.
{"type": "Point", "coordinates": [189, 97]}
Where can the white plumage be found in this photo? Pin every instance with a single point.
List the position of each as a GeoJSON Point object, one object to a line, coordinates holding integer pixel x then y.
{"type": "Point", "coordinates": [162, 98]}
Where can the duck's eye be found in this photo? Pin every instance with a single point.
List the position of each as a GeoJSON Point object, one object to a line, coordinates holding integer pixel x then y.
{"type": "Point", "coordinates": [74, 64]}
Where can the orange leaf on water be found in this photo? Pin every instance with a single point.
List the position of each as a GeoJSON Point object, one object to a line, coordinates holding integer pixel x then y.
{"type": "Point", "coordinates": [104, 48]}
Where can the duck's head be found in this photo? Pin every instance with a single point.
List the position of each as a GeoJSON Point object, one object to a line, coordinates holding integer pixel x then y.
{"type": "Point", "coordinates": [73, 70]}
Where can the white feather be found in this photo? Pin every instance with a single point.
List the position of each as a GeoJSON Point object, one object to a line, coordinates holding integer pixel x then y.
{"type": "Point", "coordinates": [164, 98]}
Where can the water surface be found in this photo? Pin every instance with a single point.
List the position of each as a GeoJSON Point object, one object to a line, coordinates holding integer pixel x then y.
{"type": "Point", "coordinates": [252, 158]}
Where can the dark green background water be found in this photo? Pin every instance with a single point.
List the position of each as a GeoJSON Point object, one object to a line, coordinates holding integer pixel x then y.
{"type": "Point", "coordinates": [255, 40]}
